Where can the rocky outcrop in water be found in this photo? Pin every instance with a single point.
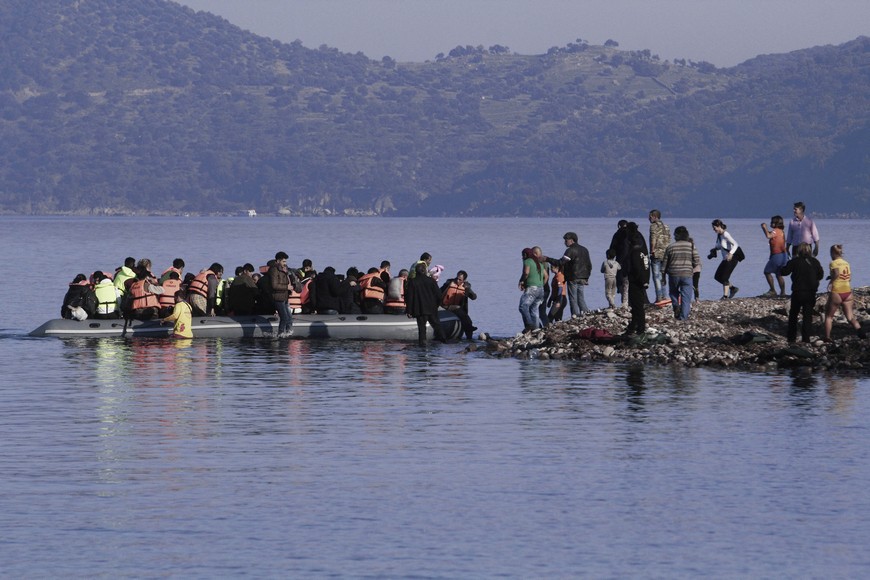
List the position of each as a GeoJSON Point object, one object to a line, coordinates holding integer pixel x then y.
{"type": "Point", "coordinates": [747, 333]}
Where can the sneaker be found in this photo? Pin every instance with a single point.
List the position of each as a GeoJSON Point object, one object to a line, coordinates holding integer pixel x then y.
{"type": "Point", "coordinates": [769, 294]}
{"type": "Point", "coordinates": [724, 298]}
{"type": "Point", "coordinates": [734, 290]}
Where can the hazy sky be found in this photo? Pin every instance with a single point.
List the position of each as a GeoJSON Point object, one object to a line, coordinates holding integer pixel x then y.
{"type": "Point", "coordinates": [723, 32]}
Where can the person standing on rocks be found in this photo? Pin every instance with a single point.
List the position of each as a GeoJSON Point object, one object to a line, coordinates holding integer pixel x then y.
{"type": "Point", "coordinates": [619, 245]}
{"type": "Point", "coordinates": [840, 293]}
{"type": "Point", "coordinates": [802, 229]}
{"type": "Point", "coordinates": [577, 267]}
{"type": "Point", "coordinates": [679, 263]}
{"type": "Point", "coordinates": [659, 238]}
{"type": "Point", "coordinates": [806, 272]}
{"type": "Point", "coordinates": [638, 279]}
{"type": "Point", "coordinates": [532, 280]}
{"type": "Point", "coordinates": [730, 257]}
{"type": "Point", "coordinates": [778, 255]}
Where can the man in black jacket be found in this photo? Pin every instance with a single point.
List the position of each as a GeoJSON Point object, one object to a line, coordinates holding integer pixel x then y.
{"type": "Point", "coordinates": [423, 297]}
{"type": "Point", "coordinates": [577, 267]}
{"type": "Point", "coordinates": [806, 273]}
{"type": "Point", "coordinates": [638, 279]}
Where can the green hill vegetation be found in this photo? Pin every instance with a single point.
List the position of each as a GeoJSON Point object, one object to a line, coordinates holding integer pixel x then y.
{"type": "Point", "coordinates": [115, 107]}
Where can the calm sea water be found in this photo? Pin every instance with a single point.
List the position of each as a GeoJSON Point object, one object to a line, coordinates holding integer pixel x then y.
{"type": "Point", "coordinates": [148, 458]}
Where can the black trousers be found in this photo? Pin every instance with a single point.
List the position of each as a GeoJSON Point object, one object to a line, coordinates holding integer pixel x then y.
{"type": "Point", "coordinates": [434, 322]}
{"type": "Point", "coordinates": [636, 300]}
{"type": "Point", "coordinates": [802, 304]}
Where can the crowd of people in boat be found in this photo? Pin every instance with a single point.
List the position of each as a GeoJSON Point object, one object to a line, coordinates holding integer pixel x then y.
{"type": "Point", "coordinates": [549, 285]}
{"type": "Point", "coordinates": [134, 292]}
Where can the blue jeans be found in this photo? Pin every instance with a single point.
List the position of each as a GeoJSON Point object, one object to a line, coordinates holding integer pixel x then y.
{"type": "Point", "coordinates": [682, 293]}
{"type": "Point", "coordinates": [286, 323]}
{"type": "Point", "coordinates": [530, 304]}
{"type": "Point", "coordinates": [655, 270]}
{"type": "Point", "coordinates": [575, 297]}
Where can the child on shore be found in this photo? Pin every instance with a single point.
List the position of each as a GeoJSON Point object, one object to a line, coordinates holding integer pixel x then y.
{"type": "Point", "coordinates": [558, 300]}
{"type": "Point", "coordinates": [609, 268]}
{"type": "Point", "coordinates": [778, 256]}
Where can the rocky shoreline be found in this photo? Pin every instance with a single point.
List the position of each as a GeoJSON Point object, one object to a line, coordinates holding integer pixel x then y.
{"type": "Point", "coordinates": [742, 333]}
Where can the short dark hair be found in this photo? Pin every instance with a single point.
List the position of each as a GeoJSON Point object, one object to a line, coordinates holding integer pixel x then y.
{"type": "Point", "coordinates": [385, 264]}
{"type": "Point", "coordinates": [655, 213]}
{"type": "Point", "coordinates": [570, 236]}
{"type": "Point", "coordinates": [307, 263]}
{"type": "Point", "coordinates": [178, 263]}
{"type": "Point", "coordinates": [425, 256]}
{"type": "Point", "coordinates": [800, 205]}
{"type": "Point", "coordinates": [681, 233]}
{"type": "Point", "coordinates": [130, 262]}
{"type": "Point", "coordinates": [281, 256]}
{"type": "Point", "coordinates": [216, 268]}
{"type": "Point", "coordinates": [462, 273]}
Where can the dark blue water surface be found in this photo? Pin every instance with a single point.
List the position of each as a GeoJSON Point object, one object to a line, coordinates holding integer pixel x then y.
{"type": "Point", "coordinates": [217, 458]}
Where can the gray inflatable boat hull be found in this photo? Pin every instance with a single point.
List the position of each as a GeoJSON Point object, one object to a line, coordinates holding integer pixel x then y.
{"type": "Point", "coordinates": [318, 326]}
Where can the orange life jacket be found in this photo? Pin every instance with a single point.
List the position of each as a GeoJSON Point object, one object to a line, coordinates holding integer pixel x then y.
{"type": "Point", "coordinates": [453, 295]}
{"type": "Point", "coordinates": [297, 299]}
{"type": "Point", "coordinates": [141, 298]}
{"type": "Point", "coordinates": [369, 290]}
{"type": "Point", "coordinates": [170, 287]}
{"type": "Point", "coordinates": [199, 285]}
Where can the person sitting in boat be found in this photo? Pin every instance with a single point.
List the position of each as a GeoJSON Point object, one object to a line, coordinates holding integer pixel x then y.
{"type": "Point", "coordinates": [78, 296]}
{"type": "Point", "coordinates": [327, 292]}
{"type": "Point", "coordinates": [202, 292]}
{"type": "Point", "coordinates": [178, 267]}
{"type": "Point", "coordinates": [171, 285]}
{"type": "Point", "coordinates": [242, 298]}
{"type": "Point", "coordinates": [108, 297]}
{"type": "Point", "coordinates": [394, 303]}
{"type": "Point", "coordinates": [372, 292]}
{"type": "Point", "coordinates": [307, 270]}
{"type": "Point", "coordinates": [385, 272]}
{"type": "Point", "coordinates": [425, 259]}
{"type": "Point", "coordinates": [143, 301]}
{"type": "Point", "coordinates": [455, 294]}
{"type": "Point", "coordinates": [349, 293]}
{"type": "Point", "coordinates": [125, 273]}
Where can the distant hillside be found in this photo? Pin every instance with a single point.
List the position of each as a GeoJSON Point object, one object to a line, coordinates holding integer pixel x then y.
{"type": "Point", "coordinates": [110, 106]}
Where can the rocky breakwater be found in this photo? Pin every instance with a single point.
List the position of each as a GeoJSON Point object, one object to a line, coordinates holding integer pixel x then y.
{"type": "Point", "coordinates": [743, 333]}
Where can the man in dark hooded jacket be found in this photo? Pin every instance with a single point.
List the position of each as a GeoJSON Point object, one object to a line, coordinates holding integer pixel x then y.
{"type": "Point", "coordinates": [638, 279]}
{"type": "Point", "coordinates": [422, 299]}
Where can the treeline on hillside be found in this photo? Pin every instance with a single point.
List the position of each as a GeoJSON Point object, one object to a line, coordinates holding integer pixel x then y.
{"type": "Point", "coordinates": [115, 107]}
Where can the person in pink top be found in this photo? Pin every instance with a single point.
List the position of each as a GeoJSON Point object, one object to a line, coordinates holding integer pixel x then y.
{"type": "Point", "coordinates": [778, 256]}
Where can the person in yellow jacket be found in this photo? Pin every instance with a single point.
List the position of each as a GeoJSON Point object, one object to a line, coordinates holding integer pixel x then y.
{"type": "Point", "coordinates": [182, 316]}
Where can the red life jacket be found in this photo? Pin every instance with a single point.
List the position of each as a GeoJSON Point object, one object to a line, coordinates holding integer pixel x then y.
{"type": "Point", "coordinates": [199, 285]}
{"type": "Point", "coordinates": [141, 298]}
{"type": "Point", "coordinates": [170, 287]}
{"type": "Point", "coordinates": [369, 290]}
